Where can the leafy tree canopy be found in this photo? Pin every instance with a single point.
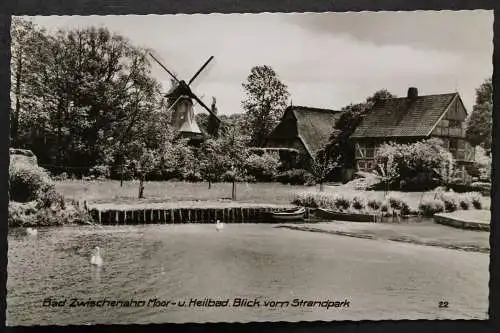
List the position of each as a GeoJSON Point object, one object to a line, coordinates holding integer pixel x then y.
{"type": "Point", "coordinates": [339, 150]}
{"type": "Point", "coordinates": [480, 122]}
{"type": "Point", "coordinates": [265, 101]}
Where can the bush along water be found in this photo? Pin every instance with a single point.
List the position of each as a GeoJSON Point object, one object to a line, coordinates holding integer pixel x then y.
{"type": "Point", "coordinates": [392, 205]}
{"type": "Point", "coordinates": [35, 202]}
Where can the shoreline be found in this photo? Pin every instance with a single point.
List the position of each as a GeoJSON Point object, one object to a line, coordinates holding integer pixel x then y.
{"type": "Point", "coordinates": [426, 234]}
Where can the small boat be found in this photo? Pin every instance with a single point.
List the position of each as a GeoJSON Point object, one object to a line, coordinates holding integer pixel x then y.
{"type": "Point", "coordinates": [289, 215]}
{"type": "Point", "coordinates": [328, 214]}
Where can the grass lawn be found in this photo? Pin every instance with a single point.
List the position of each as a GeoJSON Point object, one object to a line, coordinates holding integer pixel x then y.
{"type": "Point", "coordinates": [110, 191]}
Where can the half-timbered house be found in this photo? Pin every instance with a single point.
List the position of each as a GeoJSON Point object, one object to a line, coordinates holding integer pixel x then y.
{"type": "Point", "coordinates": [413, 118]}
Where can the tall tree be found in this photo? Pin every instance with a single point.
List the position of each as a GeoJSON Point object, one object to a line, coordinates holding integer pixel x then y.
{"type": "Point", "coordinates": [30, 57]}
{"type": "Point", "coordinates": [265, 101]}
{"type": "Point", "coordinates": [339, 151]}
{"type": "Point", "coordinates": [480, 122]}
{"type": "Point", "coordinates": [95, 94]}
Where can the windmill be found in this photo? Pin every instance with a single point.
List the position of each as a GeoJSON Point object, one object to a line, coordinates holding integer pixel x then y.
{"type": "Point", "coordinates": [182, 106]}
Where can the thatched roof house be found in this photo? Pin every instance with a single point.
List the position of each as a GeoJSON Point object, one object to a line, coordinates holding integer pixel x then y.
{"type": "Point", "coordinates": [303, 128]}
{"type": "Point", "coordinates": [412, 118]}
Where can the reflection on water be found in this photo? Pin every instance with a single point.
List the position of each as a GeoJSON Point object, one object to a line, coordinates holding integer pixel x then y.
{"type": "Point", "coordinates": [178, 262]}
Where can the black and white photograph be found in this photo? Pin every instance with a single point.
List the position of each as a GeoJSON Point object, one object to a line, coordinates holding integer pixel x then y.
{"type": "Point", "coordinates": [266, 167]}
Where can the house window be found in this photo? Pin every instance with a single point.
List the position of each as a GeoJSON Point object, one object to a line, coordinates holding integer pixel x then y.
{"type": "Point", "coordinates": [361, 165]}
{"type": "Point", "coordinates": [455, 123]}
{"type": "Point", "coordinates": [469, 152]}
{"type": "Point", "coordinates": [446, 143]}
{"type": "Point", "coordinates": [460, 172]}
{"type": "Point", "coordinates": [370, 150]}
{"type": "Point", "coordinates": [369, 165]}
{"type": "Point", "coordinates": [360, 150]}
{"type": "Point", "coordinates": [461, 150]}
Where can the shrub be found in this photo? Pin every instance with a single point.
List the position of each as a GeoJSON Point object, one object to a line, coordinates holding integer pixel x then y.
{"type": "Point", "coordinates": [305, 199]}
{"type": "Point", "coordinates": [464, 204]}
{"type": "Point", "coordinates": [60, 177]}
{"type": "Point", "coordinates": [295, 177]}
{"type": "Point", "coordinates": [22, 214]}
{"type": "Point", "coordinates": [475, 199]}
{"type": "Point", "coordinates": [430, 207]}
{"type": "Point", "coordinates": [263, 167]}
{"type": "Point", "coordinates": [231, 175]}
{"type": "Point", "coordinates": [405, 209]}
{"type": "Point", "coordinates": [358, 203]}
{"type": "Point", "coordinates": [374, 204]}
{"type": "Point", "coordinates": [100, 172]}
{"type": "Point", "coordinates": [395, 202]}
{"type": "Point", "coordinates": [48, 196]}
{"type": "Point", "coordinates": [29, 215]}
{"type": "Point", "coordinates": [192, 176]}
{"type": "Point", "coordinates": [384, 207]}
{"type": "Point", "coordinates": [416, 166]}
{"type": "Point", "coordinates": [28, 182]}
{"type": "Point", "coordinates": [473, 170]}
{"type": "Point", "coordinates": [450, 201]}
{"type": "Point", "coordinates": [342, 203]}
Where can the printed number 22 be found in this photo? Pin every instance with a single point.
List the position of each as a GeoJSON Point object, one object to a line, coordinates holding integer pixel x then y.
{"type": "Point", "coordinates": [443, 304]}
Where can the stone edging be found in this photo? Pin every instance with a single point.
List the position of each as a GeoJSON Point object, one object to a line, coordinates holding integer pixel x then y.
{"type": "Point", "coordinates": [463, 224]}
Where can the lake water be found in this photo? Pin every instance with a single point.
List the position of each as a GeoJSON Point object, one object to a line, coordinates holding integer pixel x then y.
{"type": "Point", "coordinates": [176, 263]}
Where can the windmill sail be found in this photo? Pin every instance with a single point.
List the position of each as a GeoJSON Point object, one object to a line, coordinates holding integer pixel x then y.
{"type": "Point", "coordinates": [180, 103]}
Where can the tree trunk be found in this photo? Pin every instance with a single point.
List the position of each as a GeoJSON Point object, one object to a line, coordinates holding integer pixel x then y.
{"type": "Point", "coordinates": [141, 187]}
{"type": "Point", "coordinates": [321, 186]}
{"type": "Point", "coordinates": [15, 116]}
{"type": "Point", "coordinates": [209, 184]}
{"type": "Point", "coordinates": [121, 176]}
{"type": "Point", "coordinates": [233, 194]}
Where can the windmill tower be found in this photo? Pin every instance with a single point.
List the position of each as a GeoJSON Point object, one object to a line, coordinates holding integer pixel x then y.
{"type": "Point", "coordinates": [181, 105]}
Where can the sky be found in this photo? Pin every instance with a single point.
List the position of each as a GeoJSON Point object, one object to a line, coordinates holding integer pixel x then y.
{"type": "Point", "coordinates": [327, 60]}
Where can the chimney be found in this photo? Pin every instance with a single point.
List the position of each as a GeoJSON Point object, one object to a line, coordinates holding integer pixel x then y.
{"type": "Point", "coordinates": [412, 93]}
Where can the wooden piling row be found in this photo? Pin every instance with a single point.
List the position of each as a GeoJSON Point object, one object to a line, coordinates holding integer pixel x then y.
{"type": "Point", "coordinates": [183, 215]}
